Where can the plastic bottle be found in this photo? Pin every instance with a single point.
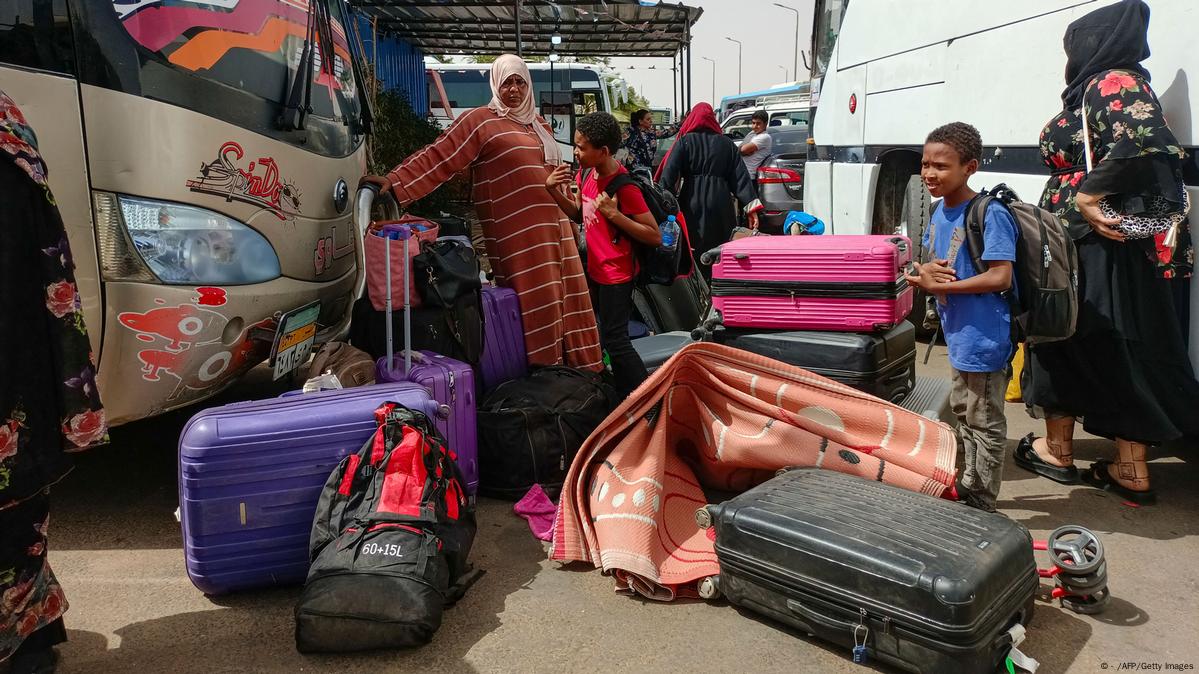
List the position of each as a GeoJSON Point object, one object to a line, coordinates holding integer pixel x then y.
{"type": "Point", "coordinates": [670, 233]}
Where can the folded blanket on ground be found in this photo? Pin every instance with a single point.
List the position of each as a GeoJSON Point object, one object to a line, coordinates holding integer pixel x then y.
{"type": "Point", "coordinates": [723, 419]}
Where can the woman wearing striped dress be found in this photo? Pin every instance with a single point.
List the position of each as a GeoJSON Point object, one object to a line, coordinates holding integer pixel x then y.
{"type": "Point", "coordinates": [510, 150]}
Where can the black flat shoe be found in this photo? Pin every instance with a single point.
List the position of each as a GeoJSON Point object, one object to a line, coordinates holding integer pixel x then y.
{"type": "Point", "coordinates": [1099, 478]}
{"type": "Point", "coordinates": [1026, 457]}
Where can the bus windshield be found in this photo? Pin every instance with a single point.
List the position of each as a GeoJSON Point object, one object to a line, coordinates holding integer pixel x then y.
{"type": "Point", "coordinates": [234, 60]}
{"type": "Point", "coordinates": [824, 33]}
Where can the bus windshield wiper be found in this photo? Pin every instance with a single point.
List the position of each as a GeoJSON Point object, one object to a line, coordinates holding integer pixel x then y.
{"type": "Point", "coordinates": [319, 36]}
{"type": "Point", "coordinates": [299, 90]}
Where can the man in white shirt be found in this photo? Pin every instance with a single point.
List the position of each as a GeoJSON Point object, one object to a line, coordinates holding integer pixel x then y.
{"type": "Point", "coordinates": [756, 147]}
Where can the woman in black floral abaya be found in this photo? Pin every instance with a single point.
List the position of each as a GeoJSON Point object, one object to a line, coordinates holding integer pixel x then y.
{"type": "Point", "coordinates": [1125, 371]}
{"type": "Point", "coordinates": [48, 401]}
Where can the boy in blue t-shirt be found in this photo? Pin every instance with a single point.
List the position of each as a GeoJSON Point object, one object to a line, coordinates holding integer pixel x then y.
{"type": "Point", "coordinates": [975, 318]}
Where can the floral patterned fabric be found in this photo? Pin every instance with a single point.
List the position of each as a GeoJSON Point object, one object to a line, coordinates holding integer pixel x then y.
{"type": "Point", "coordinates": [49, 405]}
{"type": "Point", "coordinates": [30, 596]}
{"type": "Point", "coordinates": [1126, 123]}
{"type": "Point", "coordinates": [643, 145]}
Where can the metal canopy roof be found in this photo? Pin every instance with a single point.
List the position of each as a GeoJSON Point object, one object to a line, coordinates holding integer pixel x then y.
{"type": "Point", "coordinates": [604, 28]}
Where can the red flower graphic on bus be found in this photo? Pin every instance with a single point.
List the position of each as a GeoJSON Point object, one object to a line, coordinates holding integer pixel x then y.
{"type": "Point", "coordinates": [259, 183]}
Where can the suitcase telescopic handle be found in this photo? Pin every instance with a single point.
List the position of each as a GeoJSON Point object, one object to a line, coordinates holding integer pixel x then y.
{"type": "Point", "coordinates": [812, 615]}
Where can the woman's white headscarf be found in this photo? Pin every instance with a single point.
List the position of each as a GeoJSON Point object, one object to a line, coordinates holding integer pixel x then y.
{"type": "Point", "coordinates": [504, 67]}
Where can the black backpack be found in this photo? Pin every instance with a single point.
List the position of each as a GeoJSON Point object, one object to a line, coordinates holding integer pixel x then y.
{"type": "Point", "coordinates": [531, 428]}
{"type": "Point", "coordinates": [655, 265]}
{"type": "Point", "coordinates": [1045, 304]}
{"type": "Point", "coordinates": [389, 544]}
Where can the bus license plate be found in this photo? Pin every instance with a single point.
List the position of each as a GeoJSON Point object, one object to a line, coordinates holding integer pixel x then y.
{"type": "Point", "coordinates": [294, 339]}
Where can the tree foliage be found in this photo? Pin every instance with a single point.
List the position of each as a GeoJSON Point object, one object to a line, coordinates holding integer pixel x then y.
{"type": "Point", "coordinates": [398, 133]}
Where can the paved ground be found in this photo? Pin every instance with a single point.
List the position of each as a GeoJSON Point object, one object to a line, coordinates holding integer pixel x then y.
{"type": "Point", "coordinates": [116, 547]}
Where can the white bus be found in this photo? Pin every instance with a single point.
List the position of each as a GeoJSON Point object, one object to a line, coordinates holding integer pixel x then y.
{"type": "Point", "coordinates": [886, 73]}
{"type": "Point", "coordinates": [562, 93]}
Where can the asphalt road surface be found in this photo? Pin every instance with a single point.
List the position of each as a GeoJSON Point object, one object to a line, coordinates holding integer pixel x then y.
{"type": "Point", "coordinates": [116, 547]}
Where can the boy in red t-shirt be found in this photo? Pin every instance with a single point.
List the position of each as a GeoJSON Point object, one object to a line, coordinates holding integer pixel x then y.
{"type": "Point", "coordinates": [611, 225]}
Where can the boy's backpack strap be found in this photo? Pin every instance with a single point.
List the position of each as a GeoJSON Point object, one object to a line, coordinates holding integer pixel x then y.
{"type": "Point", "coordinates": [975, 226]}
{"type": "Point", "coordinates": [618, 181]}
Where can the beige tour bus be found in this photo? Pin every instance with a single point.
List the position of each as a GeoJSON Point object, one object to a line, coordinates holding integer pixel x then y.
{"type": "Point", "coordinates": [203, 156]}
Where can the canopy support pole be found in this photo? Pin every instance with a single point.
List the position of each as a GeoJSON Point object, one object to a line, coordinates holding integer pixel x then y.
{"type": "Point", "coordinates": [520, 45]}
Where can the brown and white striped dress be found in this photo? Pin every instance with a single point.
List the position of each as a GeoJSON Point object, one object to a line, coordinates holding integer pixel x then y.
{"type": "Point", "coordinates": [530, 244]}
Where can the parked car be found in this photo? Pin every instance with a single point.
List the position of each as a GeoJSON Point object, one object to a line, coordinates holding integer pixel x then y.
{"type": "Point", "coordinates": [780, 177]}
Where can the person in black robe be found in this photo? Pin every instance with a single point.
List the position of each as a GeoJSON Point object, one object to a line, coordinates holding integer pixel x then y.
{"type": "Point", "coordinates": [705, 170]}
{"type": "Point", "coordinates": [1125, 371]}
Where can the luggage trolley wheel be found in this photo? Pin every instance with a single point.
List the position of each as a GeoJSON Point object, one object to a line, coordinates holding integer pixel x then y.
{"type": "Point", "coordinates": [703, 519]}
{"type": "Point", "coordinates": [709, 587]}
{"type": "Point", "coordinates": [1076, 584]}
{"type": "Point", "coordinates": [1075, 550]}
{"type": "Point", "coordinates": [1088, 605]}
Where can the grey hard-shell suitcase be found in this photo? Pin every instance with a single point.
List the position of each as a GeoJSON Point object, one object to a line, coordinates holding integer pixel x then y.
{"type": "Point", "coordinates": [922, 583]}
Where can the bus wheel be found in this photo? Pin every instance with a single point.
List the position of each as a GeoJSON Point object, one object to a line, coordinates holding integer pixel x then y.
{"type": "Point", "coordinates": [913, 219]}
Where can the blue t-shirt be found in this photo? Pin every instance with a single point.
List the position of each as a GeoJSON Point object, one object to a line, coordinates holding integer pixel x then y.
{"type": "Point", "coordinates": [977, 327]}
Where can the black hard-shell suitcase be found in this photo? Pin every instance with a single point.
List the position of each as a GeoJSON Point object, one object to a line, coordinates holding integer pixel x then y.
{"type": "Point", "coordinates": [881, 365]}
{"type": "Point", "coordinates": [678, 306]}
{"type": "Point", "coordinates": [655, 350]}
{"type": "Point", "coordinates": [925, 584]}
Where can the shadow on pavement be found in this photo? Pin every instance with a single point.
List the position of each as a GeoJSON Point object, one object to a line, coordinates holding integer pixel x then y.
{"type": "Point", "coordinates": [253, 631]}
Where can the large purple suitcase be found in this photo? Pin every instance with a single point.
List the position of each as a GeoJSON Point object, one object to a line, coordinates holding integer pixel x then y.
{"type": "Point", "coordinates": [504, 357]}
{"type": "Point", "coordinates": [250, 475]}
{"type": "Point", "coordinates": [452, 383]}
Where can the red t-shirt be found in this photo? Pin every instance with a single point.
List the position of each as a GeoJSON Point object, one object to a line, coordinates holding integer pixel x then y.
{"type": "Point", "coordinates": [610, 258]}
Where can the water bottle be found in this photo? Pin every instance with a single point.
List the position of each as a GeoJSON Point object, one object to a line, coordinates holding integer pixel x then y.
{"type": "Point", "coordinates": [670, 234]}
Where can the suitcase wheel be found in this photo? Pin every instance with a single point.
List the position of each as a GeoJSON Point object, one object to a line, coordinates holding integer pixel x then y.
{"type": "Point", "coordinates": [703, 518]}
{"type": "Point", "coordinates": [709, 588]}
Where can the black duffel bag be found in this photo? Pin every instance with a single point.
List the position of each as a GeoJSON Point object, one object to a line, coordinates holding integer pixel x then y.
{"type": "Point", "coordinates": [531, 428]}
{"type": "Point", "coordinates": [389, 543]}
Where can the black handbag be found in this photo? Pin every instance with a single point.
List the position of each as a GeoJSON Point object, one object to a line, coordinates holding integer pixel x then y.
{"type": "Point", "coordinates": [446, 270]}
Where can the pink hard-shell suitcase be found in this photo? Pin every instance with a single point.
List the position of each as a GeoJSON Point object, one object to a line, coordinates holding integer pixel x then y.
{"type": "Point", "coordinates": [851, 283]}
{"type": "Point", "coordinates": [504, 357]}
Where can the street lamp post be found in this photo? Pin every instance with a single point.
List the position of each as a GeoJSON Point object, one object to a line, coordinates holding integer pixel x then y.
{"type": "Point", "coordinates": [738, 62]}
{"type": "Point", "coordinates": [792, 9]}
{"type": "Point", "coordinates": [713, 77]}
{"type": "Point", "coordinates": [784, 73]}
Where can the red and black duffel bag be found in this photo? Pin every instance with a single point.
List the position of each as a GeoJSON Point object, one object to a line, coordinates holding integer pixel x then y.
{"type": "Point", "coordinates": [389, 544]}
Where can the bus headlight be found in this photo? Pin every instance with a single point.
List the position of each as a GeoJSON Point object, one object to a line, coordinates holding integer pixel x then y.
{"type": "Point", "coordinates": [181, 245]}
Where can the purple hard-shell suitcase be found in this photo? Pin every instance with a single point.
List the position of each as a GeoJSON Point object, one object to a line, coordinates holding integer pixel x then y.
{"type": "Point", "coordinates": [449, 381]}
{"type": "Point", "coordinates": [250, 475]}
{"type": "Point", "coordinates": [452, 383]}
{"type": "Point", "coordinates": [504, 357]}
